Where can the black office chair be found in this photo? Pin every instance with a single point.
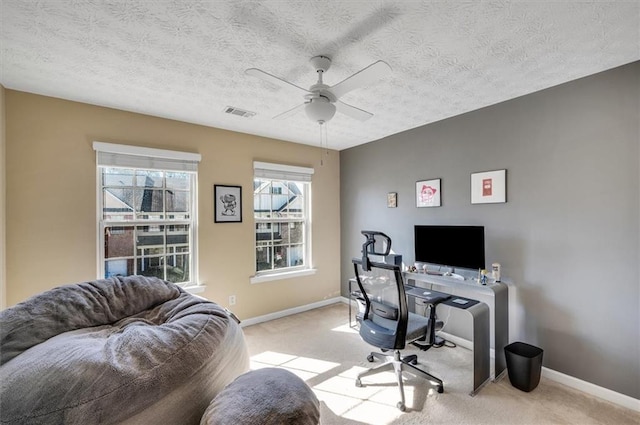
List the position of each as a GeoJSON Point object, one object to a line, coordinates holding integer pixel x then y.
{"type": "Point", "coordinates": [386, 322]}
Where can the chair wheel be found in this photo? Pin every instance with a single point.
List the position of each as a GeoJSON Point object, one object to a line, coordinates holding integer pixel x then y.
{"type": "Point", "coordinates": [440, 389]}
{"type": "Point", "coordinates": [401, 406]}
{"type": "Point", "coordinates": [358, 383]}
{"type": "Point", "coordinates": [370, 358]}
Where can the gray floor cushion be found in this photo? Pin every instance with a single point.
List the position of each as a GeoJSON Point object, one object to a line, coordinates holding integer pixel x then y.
{"type": "Point", "coordinates": [269, 396]}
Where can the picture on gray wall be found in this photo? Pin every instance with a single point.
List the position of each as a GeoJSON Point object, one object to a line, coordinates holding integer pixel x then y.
{"type": "Point", "coordinates": [489, 187]}
{"type": "Point", "coordinates": [428, 193]}
{"type": "Point", "coordinates": [392, 200]}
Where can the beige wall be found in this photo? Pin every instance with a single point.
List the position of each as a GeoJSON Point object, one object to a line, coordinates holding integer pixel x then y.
{"type": "Point", "coordinates": [51, 201]}
{"type": "Point", "coordinates": [3, 268]}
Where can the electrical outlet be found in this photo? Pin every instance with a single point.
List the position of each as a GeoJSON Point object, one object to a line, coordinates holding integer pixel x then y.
{"type": "Point", "coordinates": [232, 300]}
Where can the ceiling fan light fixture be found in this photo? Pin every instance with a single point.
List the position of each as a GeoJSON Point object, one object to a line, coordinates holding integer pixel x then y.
{"type": "Point", "coordinates": [320, 109]}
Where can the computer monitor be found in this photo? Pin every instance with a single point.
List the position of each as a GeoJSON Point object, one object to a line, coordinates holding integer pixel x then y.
{"type": "Point", "coordinates": [451, 246]}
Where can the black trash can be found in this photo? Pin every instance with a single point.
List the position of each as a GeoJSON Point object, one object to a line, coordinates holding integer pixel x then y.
{"type": "Point", "coordinates": [524, 363]}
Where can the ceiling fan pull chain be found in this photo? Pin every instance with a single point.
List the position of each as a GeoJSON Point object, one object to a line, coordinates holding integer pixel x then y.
{"type": "Point", "coordinates": [326, 138]}
{"type": "Point", "coordinates": [321, 132]}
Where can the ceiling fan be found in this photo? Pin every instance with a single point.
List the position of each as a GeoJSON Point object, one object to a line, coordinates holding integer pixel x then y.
{"type": "Point", "coordinates": [322, 101]}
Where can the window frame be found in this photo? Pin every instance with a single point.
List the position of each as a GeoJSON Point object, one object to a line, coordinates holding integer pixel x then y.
{"type": "Point", "coordinates": [157, 160]}
{"type": "Point", "coordinates": [284, 174]}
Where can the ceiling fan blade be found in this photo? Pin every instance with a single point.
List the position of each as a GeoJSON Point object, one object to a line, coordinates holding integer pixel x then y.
{"type": "Point", "coordinates": [255, 72]}
{"type": "Point", "coordinates": [290, 112]}
{"type": "Point", "coordinates": [352, 111]}
{"type": "Point", "coordinates": [365, 76]}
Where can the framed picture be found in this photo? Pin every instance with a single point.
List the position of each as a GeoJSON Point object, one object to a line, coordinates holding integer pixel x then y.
{"type": "Point", "coordinates": [227, 201]}
{"type": "Point", "coordinates": [428, 193]}
{"type": "Point", "coordinates": [489, 187]}
{"type": "Point", "coordinates": [392, 200]}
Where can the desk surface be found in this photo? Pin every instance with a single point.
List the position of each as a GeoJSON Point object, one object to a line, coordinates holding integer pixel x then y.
{"type": "Point", "coordinates": [471, 284]}
{"type": "Point", "coordinates": [433, 297]}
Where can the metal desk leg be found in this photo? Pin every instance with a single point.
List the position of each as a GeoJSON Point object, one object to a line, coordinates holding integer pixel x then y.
{"type": "Point", "coordinates": [351, 324]}
{"type": "Point", "coordinates": [481, 346]}
{"type": "Point", "coordinates": [501, 328]}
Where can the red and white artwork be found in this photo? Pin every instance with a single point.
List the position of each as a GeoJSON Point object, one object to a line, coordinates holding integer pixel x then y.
{"type": "Point", "coordinates": [428, 193]}
{"type": "Point", "coordinates": [487, 184]}
{"type": "Point", "coordinates": [489, 187]}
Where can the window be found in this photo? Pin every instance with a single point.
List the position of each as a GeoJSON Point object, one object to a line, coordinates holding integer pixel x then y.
{"type": "Point", "coordinates": [147, 213]}
{"type": "Point", "coordinates": [282, 206]}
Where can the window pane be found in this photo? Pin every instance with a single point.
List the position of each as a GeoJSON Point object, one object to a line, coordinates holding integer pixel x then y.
{"type": "Point", "coordinates": [296, 255]}
{"type": "Point", "coordinates": [279, 205]}
{"type": "Point", "coordinates": [295, 209]}
{"type": "Point", "coordinates": [151, 266]}
{"type": "Point", "coordinates": [262, 186]}
{"type": "Point", "coordinates": [118, 242]}
{"type": "Point", "coordinates": [149, 201]}
{"type": "Point", "coordinates": [263, 233]}
{"type": "Point", "coordinates": [117, 203]}
{"type": "Point", "coordinates": [178, 180]}
{"type": "Point", "coordinates": [177, 268]}
{"type": "Point", "coordinates": [178, 238]}
{"type": "Point", "coordinates": [150, 240]}
{"type": "Point", "coordinates": [280, 257]}
{"type": "Point", "coordinates": [262, 205]}
{"type": "Point", "coordinates": [117, 177]}
{"type": "Point", "coordinates": [149, 178]}
{"type": "Point", "coordinates": [276, 234]}
{"type": "Point", "coordinates": [118, 268]}
{"type": "Point", "coordinates": [295, 232]}
{"type": "Point", "coordinates": [177, 200]}
{"type": "Point", "coordinates": [263, 258]}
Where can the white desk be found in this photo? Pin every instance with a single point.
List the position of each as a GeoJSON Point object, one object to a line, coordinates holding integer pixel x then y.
{"type": "Point", "coordinates": [499, 307]}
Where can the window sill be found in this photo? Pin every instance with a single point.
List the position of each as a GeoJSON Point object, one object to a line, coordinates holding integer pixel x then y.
{"type": "Point", "coordinates": [279, 276]}
{"type": "Point", "coordinates": [194, 289]}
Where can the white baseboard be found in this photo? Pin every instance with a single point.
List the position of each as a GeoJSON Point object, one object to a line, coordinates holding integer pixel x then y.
{"type": "Point", "coordinates": [594, 390]}
{"type": "Point", "coordinates": [289, 312]}
{"type": "Point", "coordinates": [569, 381]}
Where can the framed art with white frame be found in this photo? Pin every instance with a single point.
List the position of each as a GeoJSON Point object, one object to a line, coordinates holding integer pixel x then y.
{"type": "Point", "coordinates": [227, 201]}
{"type": "Point", "coordinates": [428, 193]}
{"type": "Point", "coordinates": [489, 187]}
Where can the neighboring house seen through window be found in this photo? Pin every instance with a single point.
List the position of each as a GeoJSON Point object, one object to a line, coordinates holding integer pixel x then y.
{"type": "Point", "coordinates": [282, 206]}
{"type": "Point", "coordinates": [147, 213]}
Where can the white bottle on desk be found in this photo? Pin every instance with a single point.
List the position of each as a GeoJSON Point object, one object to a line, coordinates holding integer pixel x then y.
{"type": "Point", "coordinates": [495, 270]}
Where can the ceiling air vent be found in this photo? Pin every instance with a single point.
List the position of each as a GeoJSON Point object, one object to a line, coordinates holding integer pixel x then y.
{"type": "Point", "coordinates": [239, 112]}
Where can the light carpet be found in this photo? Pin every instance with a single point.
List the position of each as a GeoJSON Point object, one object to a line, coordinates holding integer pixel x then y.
{"type": "Point", "coordinates": [321, 348]}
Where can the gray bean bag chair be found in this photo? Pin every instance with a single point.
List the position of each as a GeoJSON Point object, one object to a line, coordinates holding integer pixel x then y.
{"type": "Point", "coordinates": [131, 350]}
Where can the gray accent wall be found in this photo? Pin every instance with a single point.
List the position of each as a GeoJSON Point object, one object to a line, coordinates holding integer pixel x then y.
{"type": "Point", "coordinates": [568, 236]}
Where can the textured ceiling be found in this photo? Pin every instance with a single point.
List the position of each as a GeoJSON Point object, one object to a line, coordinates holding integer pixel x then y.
{"type": "Point", "coordinates": [185, 60]}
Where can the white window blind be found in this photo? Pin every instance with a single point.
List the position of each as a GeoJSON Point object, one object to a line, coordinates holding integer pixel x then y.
{"type": "Point", "coordinates": [282, 172]}
{"type": "Point", "coordinates": [114, 155]}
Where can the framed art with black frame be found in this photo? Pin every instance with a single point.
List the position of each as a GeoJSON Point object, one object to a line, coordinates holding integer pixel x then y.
{"type": "Point", "coordinates": [227, 201]}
